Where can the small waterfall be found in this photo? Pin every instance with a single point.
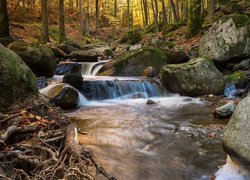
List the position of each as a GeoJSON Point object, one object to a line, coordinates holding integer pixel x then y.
{"type": "Point", "coordinates": [230, 90]}
{"type": "Point", "coordinates": [123, 89]}
{"type": "Point", "coordinates": [91, 68]}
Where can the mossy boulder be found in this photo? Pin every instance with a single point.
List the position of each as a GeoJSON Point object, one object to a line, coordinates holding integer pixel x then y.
{"type": "Point", "coordinates": [17, 82]}
{"type": "Point", "coordinates": [236, 141]}
{"type": "Point", "coordinates": [175, 56]}
{"type": "Point", "coordinates": [133, 63]}
{"type": "Point", "coordinates": [239, 79]}
{"type": "Point", "coordinates": [73, 79]}
{"type": "Point", "coordinates": [228, 38]}
{"type": "Point", "coordinates": [39, 58]}
{"type": "Point", "coordinates": [132, 37]}
{"type": "Point", "coordinates": [196, 77]}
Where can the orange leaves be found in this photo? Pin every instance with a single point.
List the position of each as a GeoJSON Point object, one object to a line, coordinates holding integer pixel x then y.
{"type": "Point", "coordinates": [30, 119]}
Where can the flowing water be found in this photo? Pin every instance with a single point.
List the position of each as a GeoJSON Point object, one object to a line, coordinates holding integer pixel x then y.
{"type": "Point", "coordinates": [170, 139]}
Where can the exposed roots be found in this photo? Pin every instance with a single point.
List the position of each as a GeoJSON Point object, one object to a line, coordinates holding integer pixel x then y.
{"type": "Point", "coordinates": [39, 143]}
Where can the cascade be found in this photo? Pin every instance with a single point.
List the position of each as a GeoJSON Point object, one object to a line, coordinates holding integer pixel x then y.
{"type": "Point", "coordinates": [123, 89]}
{"type": "Point", "coordinates": [230, 90]}
{"type": "Point", "coordinates": [92, 68]}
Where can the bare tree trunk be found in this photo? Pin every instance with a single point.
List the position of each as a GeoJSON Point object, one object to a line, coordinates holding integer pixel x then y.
{"type": "Point", "coordinates": [174, 10]}
{"type": "Point", "coordinates": [96, 15]}
{"type": "Point", "coordinates": [177, 10]}
{"type": "Point", "coordinates": [164, 15]}
{"type": "Point", "coordinates": [185, 10]}
{"type": "Point", "coordinates": [143, 15]}
{"type": "Point", "coordinates": [62, 34]}
{"type": "Point", "coordinates": [81, 16]}
{"type": "Point", "coordinates": [128, 12]}
{"type": "Point", "coordinates": [45, 24]}
{"type": "Point", "coordinates": [155, 16]}
{"type": "Point", "coordinates": [71, 6]}
{"type": "Point", "coordinates": [4, 19]}
{"type": "Point", "coordinates": [211, 9]}
{"type": "Point", "coordinates": [145, 6]}
{"type": "Point", "coordinates": [115, 8]}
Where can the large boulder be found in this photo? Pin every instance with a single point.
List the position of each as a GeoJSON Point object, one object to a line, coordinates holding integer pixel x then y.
{"type": "Point", "coordinates": [73, 79]}
{"type": "Point", "coordinates": [133, 63]}
{"type": "Point", "coordinates": [196, 77]}
{"type": "Point", "coordinates": [228, 38]}
{"type": "Point", "coordinates": [236, 141]}
{"type": "Point", "coordinates": [17, 82]}
{"type": "Point", "coordinates": [40, 58]}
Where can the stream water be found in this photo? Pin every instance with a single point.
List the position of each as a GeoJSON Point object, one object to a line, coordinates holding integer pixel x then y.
{"type": "Point", "coordinates": [174, 138]}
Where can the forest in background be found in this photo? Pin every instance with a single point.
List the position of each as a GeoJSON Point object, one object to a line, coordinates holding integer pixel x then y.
{"type": "Point", "coordinates": [111, 18]}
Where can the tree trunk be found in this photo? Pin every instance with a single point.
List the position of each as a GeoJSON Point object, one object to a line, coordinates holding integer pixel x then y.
{"type": "Point", "coordinates": [194, 18]}
{"type": "Point", "coordinates": [211, 9]}
{"type": "Point", "coordinates": [128, 12]}
{"type": "Point", "coordinates": [145, 6]}
{"type": "Point", "coordinates": [115, 8]}
{"type": "Point", "coordinates": [45, 24]}
{"type": "Point", "coordinates": [4, 19]}
{"type": "Point", "coordinates": [62, 35]}
{"type": "Point", "coordinates": [81, 16]}
{"type": "Point", "coordinates": [164, 14]}
{"type": "Point", "coordinates": [71, 6]}
{"type": "Point", "coordinates": [96, 15]}
{"type": "Point", "coordinates": [174, 10]}
{"type": "Point", "coordinates": [155, 16]}
{"type": "Point", "coordinates": [185, 10]}
{"type": "Point", "coordinates": [143, 16]}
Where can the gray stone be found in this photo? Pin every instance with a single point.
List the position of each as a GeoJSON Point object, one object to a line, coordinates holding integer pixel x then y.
{"type": "Point", "coordinates": [150, 102]}
{"type": "Point", "coordinates": [228, 38]}
{"type": "Point", "coordinates": [196, 77]}
{"type": "Point", "coordinates": [236, 139]}
{"type": "Point", "coordinates": [74, 79]}
{"type": "Point", "coordinates": [243, 65]}
{"type": "Point", "coordinates": [17, 82]}
{"type": "Point", "coordinates": [226, 110]}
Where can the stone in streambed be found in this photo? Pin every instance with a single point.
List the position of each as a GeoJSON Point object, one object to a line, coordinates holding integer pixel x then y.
{"type": "Point", "coordinates": [196, 77]}
{"type": "Point", "coordinates": [150, 102]}
{"type": "Point", "coordinates": [73, 79]}
{"type": "Point", "coordinates": [68, 68]}
{"type": "Point", "coordinates": [226, 110]}
{"type": "Point", "coordinates": [236, 141]}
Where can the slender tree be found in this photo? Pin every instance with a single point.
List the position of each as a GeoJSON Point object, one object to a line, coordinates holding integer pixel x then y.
{"type": "Point", "coordinates": [81, 16]}
{"type": "Point", "coordinates": [155, 11]}
{"type": "Point", "coordinates": [145, 7]}
{"type": "Point", "coordinates": [96, 15]}
{"type": "Point", "coordinates": [164, 14]}
{"type": "Point", "coordinates": [62, 34]}
{"type": "Point", "coordinates": [4, 20]}
{"type": "Point", "coordinates": [115, 8]}
{"type": "Point", "coordinates": [211, 9]}
{"type": "Point", "coordinates": [174, 10]}
{"type": "Point", "coordinates": [45, 24]}
{"type": "Point", "coordinates": [194, 18]}
{"type": "Point", "coordinates": [128, 12]}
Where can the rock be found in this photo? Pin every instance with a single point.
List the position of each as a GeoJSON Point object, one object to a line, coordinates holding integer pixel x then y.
{"type": "Point", "coordinates": [239, 79]}
{"type": "Point", "coordinates": [133, 63]}
{"type": "Point", "coordinates": [226, 110]}
{"type": "Point", "coordinates": [243, 65]}
{"type": "Point", "coordinates": [229, 7]}
{"type": "Point", "coordinates": [150, 102]}
{"type": "Point", "coordinates": [149, 72]}
{"type": "Point", "coordinates": [6, 40]}
{"type": "Point", "coordinates": [132, 37]}
{"type": "Point", "coordinates": [40, 59]}
{"type": "Point", "coordinates": [193, 52]}
{"type": "Point", "coordinates": [67, 48]}
{"type": "Point", "coordinates": [17, 82]}
{"type": "Point", "coordinates": [113, 45]}
{"type": "Point", "coordinates": [196, 77]}
{"type": "Point", "coordinates": [175, 56]}
{"type": "Point", "coordinates": [62, 95]}
{"type": "Point", "coordinates": [42, 82]}
{"type": "Point", "coordinates": [107, 69]}
{"type": "Point", "coordinates": [135, 47]}
{"type": "Point", "coordinates": [73, 79]}
{"type": "Point", "coordinates": [236, 141]}
{"type": "Point", "coordinates": [68, 68]}
{"type": "Point", "coordinates": [122, 48]}
{"type": "Point", "coordinates": [227, 39]}
{"type": "Point", "coordinates": [108, 53]}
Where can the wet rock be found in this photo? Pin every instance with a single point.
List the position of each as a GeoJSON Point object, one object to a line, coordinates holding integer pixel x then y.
{"type": "Point", "coordinates": [133, 63]}
{"type": "Point", "coordinates": [17, 82]}
{"type": "Point", "coordinates": [73, 79]}
{"type": "Point", "coordinates": [68, 68]}
{"type": "Point", "coordinates": [150, 102]}
{"type": "Point", "coordinates": [226, 110]}
{"type": "Point", "coordinates": [84, 56]}
{"type": "Point", "coordinates": [40, 58]}
{"type": "Point", "coordinates": [196, 77]}
{"type": "Point", "coordinates": [243, 65]}
{"type": "Point", "coordinates": [149, 72]}
{"type": "Point", "coordinates": [236, 141]}
{"type": "Point", "coordinates": [175, 56]}
{"type": "Point", "coordinates": [228, 38]}
{"type": "Point", "coordinates": [42, 82]}
{"type": "Point", "coordinates": [69, 47]}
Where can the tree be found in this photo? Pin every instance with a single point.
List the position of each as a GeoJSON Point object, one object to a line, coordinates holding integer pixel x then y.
{"type": "Point", "coordinates": [154, 5]}
{"type": "Point", "coordinates": [81, 16]}
{"type": "Point", "coordinates": [145, 6]}
{"type": "Point", "coordinates": [96, 15]}
{"type": "Point", "coordinates": [174, 10]}
{"type": "Point", "coordinates": [4, 19]}
{"type": "Point", "coordinates": [128, 13]}
{"type": "Point", "coordinates": [211, 9]}
{"type": "Point", "coordinates": [164, 14]}
{"type": "Point", "coordinates": [45, 24]}
{"type": "Point", "coordinates": [62, 35]}
{"type": "Point", "coordinates": [194, 18]}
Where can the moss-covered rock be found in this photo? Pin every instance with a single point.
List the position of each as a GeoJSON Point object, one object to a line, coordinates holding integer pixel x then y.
{"type": "Point", "coordinates": [228, 38]}
{"type": "Point", "coordinates": [39, 58]}
{"type": "Point", "coordinates": [133, 63]}
{"type": "Point", "coordinates": [239, 79]}
{"type": "Point", "coordinates": [17, 82]}
{"type": "Point", "coordinates": [132, 37]}
{"type": "Point", "coordinates": [236, 141]}
{"type": "Point", "coordinates": [196, 77]}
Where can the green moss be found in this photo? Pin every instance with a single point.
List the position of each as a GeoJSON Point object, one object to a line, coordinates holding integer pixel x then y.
{"type": "Point", "coordinates": [238, 78]}
{"type": "Point", "coordinates": [239, 19]}
{"type": "Point", "coordinates": [132, 37]}
{"type": "Point", "coordinates": [88, 40]}
{"type": "Point", "coordinates": [169, 28]}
